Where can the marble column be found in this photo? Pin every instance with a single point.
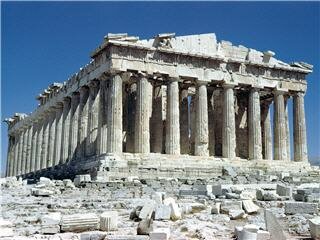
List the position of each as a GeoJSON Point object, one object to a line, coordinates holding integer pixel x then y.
{"type": "Point", "coordinates": [102, 122]}
{"type": "Point", "coordinates": [142, 116]}
{"type": "Point", "coordinates": [211, 119]}
{"type": "Point", "coordinates": [16, 154]}
{"type": "Point", "coordinates": [266, 130]}
{"type": "Point", "coordinates": [280, 135]}
{"type": "Point", "coordinates": [254, 125]}
{"type": "Point", "coordinates": [184, 122]}
{"type": "Point", "coordinates": [9, 157]}
{"type": "Point", "coordinates": [39, 150]}
{"type": "Point", "coordinates": [34, 146]}
{"type": "Point", "coordinates": [24, 150]}
{"type": "Point", "coordinates": [299, 132]}
{"type": "Point", "coordinates": [228, 129]}
{"type": "Point", "coordinates": [131, 114]}
{"type": "Point", "coordinates": [51, 138]}
{"type": "Point", "coordinates": [202, 134]}
{"type": "Point", "coordinates": [286, 99]}
{"type": "Point", "coordinates": [157, 120]}
{"type": "Point", "coordinates": [192, 124]}
{"type": "Point", "coordinates": [58, 134]}
{"type": "Point", "coordinates": [83, 120]}
{"type": "Point", "coordinates": [65, 138]}
{"type": "Point", "coordinates": [172, 118]}
{"type": "Point", "coordinates": [74, 123]}
{"type": "Point", "coordinates": [94, 99]}
{"type": "Point", "coordinates": [29, 149]}
{"type": "Point", "coordinates": [114, 121]}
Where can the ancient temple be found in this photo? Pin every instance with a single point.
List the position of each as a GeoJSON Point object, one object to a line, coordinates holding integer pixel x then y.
{"type": "Point", "coordinates": [182, 105]}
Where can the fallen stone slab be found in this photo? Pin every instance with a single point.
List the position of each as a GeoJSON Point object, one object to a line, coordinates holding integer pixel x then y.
{"type": "Point", "coordinates": [79, 222]}
{"type": "Point", "coordinates": [215, 209]}
{"type": "Point", "coordinates": [158, 197]}
{"type": "Point", "coordinates": [228, 205]}
{"type": "Point", "coordinates": [94, 235]}
{"type": "Point", "coordinates": [81, 178]}
{"type": "Point", "coordinates": [50, 223]}
{"type": "Point", "coordinates": [147, 210]}
{"type": "Point", "coordinates": [314, 225]}
{"type": "Point", "coordinates": [160, 234]}
{"type": "Point", "coordinates": [249, 206]}
{"type": "Point", "coordinates": [40, 192]}
{"type": "Point", "coordinates": [6, 228]}
{"type": "Point", "coordinates": [126, 237]}
{"type": "Point", "coordinates": [236, 214]}
{"type": "Point", "coordinates": [109, 221]}
{"type": "Point", "coordinates": [145, 226]}
{"type": "Point", "coordinates": [300, 207]}
{"type": "Point", "coordinates": [273, 226]}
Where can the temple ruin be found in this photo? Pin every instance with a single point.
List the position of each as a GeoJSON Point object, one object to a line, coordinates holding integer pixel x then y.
{"type": "Point", "coordinates": [171, 105]}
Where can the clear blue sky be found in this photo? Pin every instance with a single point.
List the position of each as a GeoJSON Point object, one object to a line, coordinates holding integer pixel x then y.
{"type": "Point", "coordinates": [45, 42]}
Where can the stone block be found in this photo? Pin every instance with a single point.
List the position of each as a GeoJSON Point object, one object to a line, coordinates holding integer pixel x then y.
{"type": "Point", "coordinates": [109, 221]}
{"type": "Point", "coordinates": [50, 229]}
{"type": "Point", "coordinates": [6, 228]}
{"type": "Point", "coordinates": [162, 212]}
{"type": "Point", "coordinates": [263, 235]}
{"type": "Point", "coordinates": [249, 206]}
{"type": "Point", "coordinates": [68, 184]}
{"type": "Point", "coordinates": [51, 219]}
{"type": "Point", "coordinates": [228, 205]}
{"type": "Point", "coordinates": [314, 225]}
{"type": "Point", "coordinates": [283, 190]}
{"type": "Point", "coordinates": [40, 192]}
{"type": "Point", "coordinates": [81, 178]}
{"type": "Point", "coordinates": [158, 197]}
{"type": "Point", "coordinates": [175, 210]}
{"type": "Point", "coordinates": [145, 227]}
{"type": "Point", "coordinates": [215, 209]}
{"type": "Point", "coordinates": [160, 234]}
{"type": "Point", "coordinates": [79, 222]}
{"type": "Point", "coordinates": [95, 235]}
{"type": "Point", "coordinates": [300, 207]}
{"type": "Point", "coordinates": [216, 189]}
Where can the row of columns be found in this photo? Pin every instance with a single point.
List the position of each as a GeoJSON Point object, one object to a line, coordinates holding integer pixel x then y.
{"type": "Point", "coordinates": [90, 122]}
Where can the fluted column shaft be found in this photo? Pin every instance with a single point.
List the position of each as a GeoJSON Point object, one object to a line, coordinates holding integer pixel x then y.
{"type": "Point", "coordinates": [9, 156]}
{"type": "Point", "coordinates": [202, 132]}
{"type": "Point", "coordinates": [300, 131]}
{"type": "Point", "coordinates": [74, 123]}
{"type": "Point", "coordinates": [142, 126]}
{"type": "Point", "coordinates": [131, 114]}
{"type": "Point", "coordinates": [65, 136]}
{"type": "Point", "coordinates": [24, 151]}
{"type": "Point", "coordinates": [114, 140]}
{"type": "Point", "coordinates": [266, 131]}
{"type": "Point", "coordinates": [102, 123]}
{"type": "Point", "coordinates": [34, 146]}
{"type": "Point", "coordinates": [58, 134]}
{"type": "Point", "coordinates": [254, 122]}
{"type": "Point", "coordinates": [228, 130]}
{"type": "Point", "coordinates": [286, 99]}
{"type": "Point", "coordinates": [51, 139]}
{"type": "Point", "coordinates": [94, 99]}
{"type": "Point", "coordinates": [40, 149]}
{"type": "Point", "coordinates": [184, 122]}
{"type": "Point", "coordinates": [172, 120]}
{"type": "Point", "coordinates": [280, 135]}
{"type": "Point", "coordinates": [83, 120]}
{"type": "Point", "coordinates": [29, 149]}
{"type": "Point", "coordinates": [16, 154]}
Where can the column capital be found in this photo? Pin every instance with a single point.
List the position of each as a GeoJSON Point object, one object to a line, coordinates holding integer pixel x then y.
{"type": "Point", "coordinates": [201, 82]}
{"type": "Point", "coordinates": [93, 83]}
{"type": "Point", "coordinates": [229, 85]}
{"type": "Point", "coordinates": [173, 79]}
{"type": "Point", "coordinates": [299, 94]}
{"type": "Point", "coordinates": [279, 91]}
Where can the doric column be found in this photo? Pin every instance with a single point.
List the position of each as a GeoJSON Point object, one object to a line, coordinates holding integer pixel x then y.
{"type": "Point", "coordinates": [9, 156]}
{"type": "Point", "coordinates": [157, 119]}
{"type": "Point", "coordinates": [202, 135]}
{"type": "Point", "coordinates": [254, 125]}
{"type": "Point", "coordinates": [184, 122]}
{"type": "Point", "coordinates": [16, 153]}
{"type": "Point", "coordinates": [51, 139]}
{"type": "Point", "coordinates": [131, 114]}
{"type": "Point", "coordinates": [74, 123]}
{"type": "Point", "coordinates": [172, 118]}
{"type": "Point", "coordinates": [94, 99]}
{"type": "Point", "coordinates": [280, 148]}
{"type": "Point", "coordinates": [33, 157]}
{"type": "Point", "coordinates": [300, 131]}
{"type": "Point", "coordinates": [193, 107]}
{"type": "Point", "coordinates": [45, 141]}
{"type": "Point", "coordinates": [83, 120]}
{"type": "Point", "coordinates": [58, 134]}
{"type": "Point", "coordinates": [114, 139]}
{"type": "Point", "coordinates": [24, 150]}
{"type": "Point", "coordinates": [228, 129]}
{"type": "Point", "coordinates": [142, 116]}
{"type": "Point", "coordinates": [39, 151]}
{"type": "Point", "coordinates": [65, 138]}
{"type": "Point", "coordinates": [211, 120]}
{"type": "Point", "coordinates": [266, 130]}
{"type": "Point", "coordinates": [286, 99]}
{"type": "Point", "coordinates": [29, 149]}
{"type": "Point", "coordinates": [102, 122]}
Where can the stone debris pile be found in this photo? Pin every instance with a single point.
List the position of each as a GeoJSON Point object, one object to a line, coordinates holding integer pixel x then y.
{"type": "Point", "coordinates": [232, 206]}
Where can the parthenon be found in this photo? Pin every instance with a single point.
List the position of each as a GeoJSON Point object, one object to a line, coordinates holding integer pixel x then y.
{"type": "Point", "coordinates": [171, 102]}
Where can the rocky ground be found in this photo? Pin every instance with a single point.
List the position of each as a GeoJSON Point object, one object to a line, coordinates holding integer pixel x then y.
{"type": "Point", "coordinates": [256, 206]}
